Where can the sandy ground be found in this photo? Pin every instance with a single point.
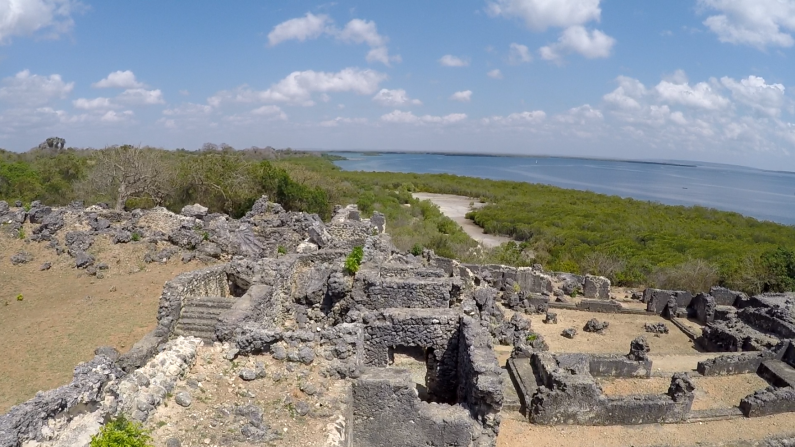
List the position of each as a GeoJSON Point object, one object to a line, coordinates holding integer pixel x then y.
{"type": "Point", "coordinates": [456, 208]}
{"type": "Point", "coordinates": [65, 313]}
{"type": "Point", "coordinates": [514, 432]}
{"type": "Point", "coordinates": [622, 330]}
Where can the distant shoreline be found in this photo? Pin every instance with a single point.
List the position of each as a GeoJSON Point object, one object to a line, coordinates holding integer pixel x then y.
{"type": "Point", "coordinates": [461, 154]}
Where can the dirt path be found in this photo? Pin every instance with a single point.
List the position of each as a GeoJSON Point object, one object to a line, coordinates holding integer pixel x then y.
{"type": "Point", "coordinates": [456, 208]}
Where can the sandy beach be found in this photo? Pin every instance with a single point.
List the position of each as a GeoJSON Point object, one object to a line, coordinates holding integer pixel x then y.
{"type": "Point", "coordinates": [456, 208]}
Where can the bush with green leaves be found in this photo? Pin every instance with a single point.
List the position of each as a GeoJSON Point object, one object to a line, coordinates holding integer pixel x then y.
{"type": "Point", "coordinates": [416, 249]}
{"type": "Point", "coordinates": [354, 260]}
{"type": "Point", "coordinates": [121, 432]}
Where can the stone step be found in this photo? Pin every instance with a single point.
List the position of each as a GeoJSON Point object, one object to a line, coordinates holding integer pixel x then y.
{"type": "Point", "coordinates": [510, 398]}
{"type": "Point", "coordinates": [777, 373]}
{"type": "Point", "coordinates": [196, 323]}
{"type": "Point", "coordinates": [210, 302]}
{"type": "Point", "coordinates": [201, 313]}
{"type": "Point", "coordinates": [207, 336]}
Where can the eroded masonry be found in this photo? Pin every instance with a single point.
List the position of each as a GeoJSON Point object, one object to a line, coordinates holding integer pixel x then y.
{"type": "Point", "coordinates": [284, 292]}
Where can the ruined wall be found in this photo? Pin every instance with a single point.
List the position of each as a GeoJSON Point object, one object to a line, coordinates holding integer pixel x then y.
{"type": "Point", "coordinates": [387, 412]}
{"type": "Point", "coordinates": [479, 376]}
{"type": "Point", "coordinates": [433, 329]}
{"type": "Point", "coordinates": [374, 291]}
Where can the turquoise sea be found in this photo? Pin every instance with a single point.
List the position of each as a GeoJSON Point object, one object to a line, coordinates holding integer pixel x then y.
{"type": "Point", "coordinates": [765, 195]}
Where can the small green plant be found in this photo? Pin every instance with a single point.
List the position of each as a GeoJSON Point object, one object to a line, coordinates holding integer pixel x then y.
{"type": "Point", "coordinates": [21, 234]}
{"type": "Point", "coordinates": [416, 249]}
{"type": "Point", "coordinates": [121, 432]}
{"type": "Point", "coordinates": [531, 338]}
{"type": "Point", "coordinates": [354, 260]}
{"type": "Point", "coordinates": [574, 293]}
{"type": "Point", "coordinates": [136, 237]}
{"type": "Point", "coordinates": [281, 250]}
{"type": "Point", "coordinates": [516, 287]}
{"type": "Point", "coordinates": [26, 207]}
{"type": "Point", "coordinates": [20, 297]}
{"type": "Point", "coordinates": [205, 236]}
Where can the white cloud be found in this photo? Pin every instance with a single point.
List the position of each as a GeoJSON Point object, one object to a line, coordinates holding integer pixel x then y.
{"type": "Point", "coordinates": [28, 17]}
{"type": "Point", "coordinates": [754, 92]}
{"type": "Point", "coordinates": [517, 119]}
{"type": "Point", "coordinates": [140, 96]}
{"type": "Point", "coordinates": [357, 31]}
{"type": "Point", "coordinates": [581, 115]}
{"type": "Point", "coordinates": [302, 28]}
{"type": "Point", "coordinates": [340, 120]}
{"type": "Point", "coordinates": [270, 111]}
{"type": "Point", "coordinates": [627, 95]}
{"type": "Point", "coordinates": [188, 109]}
{"type": "Point", "coordinates": [757, 23]}
{"type": "Point", "coordinates": [519, 54]}
{"type": "Point", "coordinates": [398, 116]}
{"type": "Point", "coordinates": [542, 14]}
{"type": "Point", "coordinates": [113, 117]}
{"type": "Point", "coordinates": [119, 79]}
{"type": "Point", "coordinates": [394, 98]}
{"type": "Point", "coordinates": [700, 95]}
{"type": "Point", "coordinates": [93, 104]}
{"type": "Point", "coordinates": [298, 86]}
{"type": "Point", "coordinates": [576, 39]}
{"type": "Point", "coordinates": [33, 90]}
{"type": "Point", "coordinates": [495, 74]}
{"type": "Point", "coordinates": [448, 60]}
{"type": "Point", "coordinates": [462, 96]}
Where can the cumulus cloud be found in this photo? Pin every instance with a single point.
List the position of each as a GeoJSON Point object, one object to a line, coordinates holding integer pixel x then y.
{"type": "Point", "coordinates": [757, 23]}
{"type": "Point", "coordinates": [51, 18]}
{"type": "Point", "coordinates": [519, 54]}
{"type": "Point", "coordinates": [495, 74]}
{"type": "Point", "coordinates": [141, 96]}
{"type": "Point", "coordinates": [357, 31]}
{"type": "Point", "coordinates": [627, 95]}
{"type": "Point", "coordinates": [462, 96]}
{"type": "Point", "coordinates": [539, 15]}
{"type": "Point", "coordinates": [298, 87]}
{"type": "Point", "coordinates": [93, 104]}
{"type": "Point", "coordinates": [119, 79]}
{"type": "Point", "coordinates": [302, 28]}
{"type": "Point", "coordinates": [700, 95]}
{"type": "Point", "coordinates": [517, 119]}
{"type": "Point", "coordinates": [340, 120]}
{"type": "Point", "coordinates": [398, 116]}
{"type": "Point", "coordinates": [571, 15]}
{"type": "Point", "coordinates": [576, 39]}
{"type": "Point", "coordinates": [270, 111]}
{"type": "Point", "coordinates": [581, 115]}
{"type": "Point", "coordinates": [117, 117]}
{"type": "Point", "coordinates": [394, 98]}
{"type": "Point", "coordinates": [29, 89]}
{"type": "Point", "coordinates": [448, 60]}
{"type": "Point", "coordinates": [188, 109]}
{"type": "Point", "coordinates": [754, 92]}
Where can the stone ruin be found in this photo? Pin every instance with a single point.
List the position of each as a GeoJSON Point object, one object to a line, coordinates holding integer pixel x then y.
{"type": "Point", "coordinates": [282, 289]}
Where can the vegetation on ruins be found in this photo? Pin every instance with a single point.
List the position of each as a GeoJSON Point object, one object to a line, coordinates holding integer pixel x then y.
{"type": "Point", "coordinates": [121, 432]}
{"type": "Point", "coordinates": [354, 260]}
{"type": "Point", "coordinates": [631, 242]}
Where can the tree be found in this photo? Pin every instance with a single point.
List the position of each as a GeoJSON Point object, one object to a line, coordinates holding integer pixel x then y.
{"type": "Point", "coordinates": [129, 172]}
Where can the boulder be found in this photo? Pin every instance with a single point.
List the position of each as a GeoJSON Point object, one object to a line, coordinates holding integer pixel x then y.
{"type": "Point", "coordinates": [594, 325]}
{"type": "Point", "coordinates": [569, 333]}
{"type": "Point", "coordinates": [197, 211]}
{"type": "Point", "coordinates": [37, 215]}
{"type": "Point", "coordinates": [638, 349]}
{"type": "Point", "coordinates": [22, 257]}
{"type": "Point", "coordinates": [596, 287]}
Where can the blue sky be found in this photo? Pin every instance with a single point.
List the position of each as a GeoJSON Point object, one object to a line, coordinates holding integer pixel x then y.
{"type": "Point", "coordinates": [708, 80]}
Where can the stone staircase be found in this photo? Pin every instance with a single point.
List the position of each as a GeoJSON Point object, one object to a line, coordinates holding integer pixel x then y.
{"type": "Point", "coordinates": [199, 316]}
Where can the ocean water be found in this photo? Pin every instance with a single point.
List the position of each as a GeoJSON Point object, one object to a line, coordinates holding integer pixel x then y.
{"type": "Point", "coordinates": [764, 195]}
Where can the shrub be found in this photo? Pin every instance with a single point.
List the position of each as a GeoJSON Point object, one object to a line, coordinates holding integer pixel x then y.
{"type": "Point", "coordinates": [136, 237]}
{"type": "Point", "coordinates": [20, 297]}
{"type": "Point", "coordinates": [416, 249]}
{"type": "Point", "coordinates": [695, 275]}
{"type": "Point", "coordinates": [354, 260]}
{"type": "Point", "coordinates": [205, 236]}
{"type": "Point", "coordinates": [21, 234]}
{"type": "Point", "coordinates": [281, 250]}
{"type": "Point", "coordinates": [121, 433]}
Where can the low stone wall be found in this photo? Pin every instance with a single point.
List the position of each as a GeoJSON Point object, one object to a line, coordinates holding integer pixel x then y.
{"type": "Point", "coordinates": [33, 420]}
{"type": "Point", "coordinates": [769, 401]}
{"type": "Point", "coordinates": [602, 306]}
{"type": "Point", "coordinates": [618, 366]}
{"type": "Point", "coordinates": [774, 320]}
{"type": "Point", "coordinates": [657, 300]}
{"type": "Point", "coordinates": [390, 292]}
{"type": "Point", "coordinates": [726, 297]}
{"type": "Point", "coordinates": [733, 364]}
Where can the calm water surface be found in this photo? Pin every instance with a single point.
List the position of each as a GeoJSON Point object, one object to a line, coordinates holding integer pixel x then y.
{"type": "Point", "coordinates": [761, 194]}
